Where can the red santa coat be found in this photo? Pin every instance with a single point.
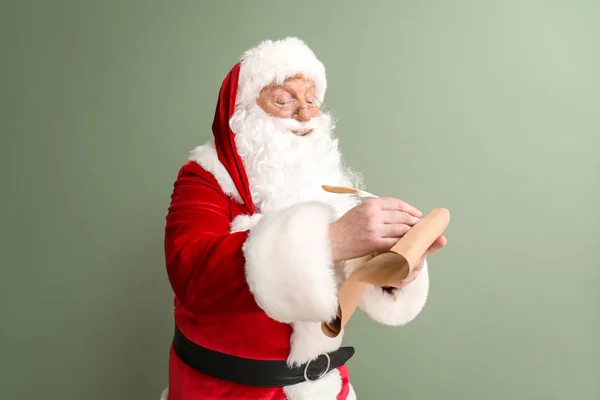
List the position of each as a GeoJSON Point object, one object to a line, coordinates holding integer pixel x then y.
{"type": "Point", "coordinates": [213, 304]}
{"type": "Point", "coordinates": [236, 292]}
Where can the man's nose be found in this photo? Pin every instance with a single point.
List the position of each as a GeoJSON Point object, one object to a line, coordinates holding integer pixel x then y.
{"type": "Point", "coordinates": [303, 114]}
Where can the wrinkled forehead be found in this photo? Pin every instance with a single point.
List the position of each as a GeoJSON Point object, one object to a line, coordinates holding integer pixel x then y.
{"type": "Point", "coordinates": [293, 84]}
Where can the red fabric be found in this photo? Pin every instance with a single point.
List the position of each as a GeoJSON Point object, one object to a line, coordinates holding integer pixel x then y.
{"type": "Point", "coordinates": [343, 395]}
{"type": "Point", "coordinates": [213, 305]}
{"type": "Point", "coordinates": [224, 136]}
{"type": "Point", "coordinates": [205, 265]}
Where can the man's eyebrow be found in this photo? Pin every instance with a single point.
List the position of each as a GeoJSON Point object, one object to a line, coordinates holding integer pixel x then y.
{"type": "Point", "coordinates": [279, 88]}
{"type": "Point", "coordinates": [275, 88]}
{"type": "Point", "coordinates": [291, 91]}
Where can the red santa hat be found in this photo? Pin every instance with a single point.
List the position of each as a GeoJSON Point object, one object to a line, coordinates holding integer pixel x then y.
{"type": "Point", "coordinates": [269, 62]}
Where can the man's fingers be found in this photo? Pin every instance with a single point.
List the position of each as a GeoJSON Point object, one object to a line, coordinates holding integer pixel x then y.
{"type": "Point", "coordinates": [390, 234]}
{"type": "Point", "coordinates": [419, 266]}
{"type": "Point", "coordinates": [385, 244]}
{"type": "Point", "coordinates": [394, 231]}
{"type": "Point", "coordinates": [437, 245]}
{"type": "Point", "coordinates": [414, 273]}
{"type": "Point", "coordinates": [391, 203]}
{"type": "Point", "coordinates": [398, 217]}
{"type": "Point", "coordinates": [440, 242]}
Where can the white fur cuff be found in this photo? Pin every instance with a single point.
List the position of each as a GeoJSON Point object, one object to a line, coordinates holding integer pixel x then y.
{"type": "Point", "coordinates": [401, 307]}
{"type": "Point", "coordinates": [288, 264]}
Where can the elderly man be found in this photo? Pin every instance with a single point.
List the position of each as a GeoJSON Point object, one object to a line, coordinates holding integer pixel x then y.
{"type": "Point", "coordinates": [256, 249]}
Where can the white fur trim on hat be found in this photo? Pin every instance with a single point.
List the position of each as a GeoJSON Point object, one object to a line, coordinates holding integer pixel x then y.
{"type": "Point", "coordinates": [273, 62]}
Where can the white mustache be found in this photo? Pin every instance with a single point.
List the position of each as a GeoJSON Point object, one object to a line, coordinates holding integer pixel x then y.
{"type": "Point", "coordinates": [290, 124]}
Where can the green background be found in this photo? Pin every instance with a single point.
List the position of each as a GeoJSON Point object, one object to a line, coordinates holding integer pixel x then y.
{"type": "Point", "coordinates": [490, 109]}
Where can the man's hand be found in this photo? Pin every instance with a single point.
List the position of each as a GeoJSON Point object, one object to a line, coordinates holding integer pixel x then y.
{"type": "Point", "coordinates": [436, 246]}
{"type": "Point", "coordinates": [372, 227]}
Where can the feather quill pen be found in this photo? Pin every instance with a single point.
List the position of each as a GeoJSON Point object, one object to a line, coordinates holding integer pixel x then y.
{"type": "Point", "coordinates": [348, 190]}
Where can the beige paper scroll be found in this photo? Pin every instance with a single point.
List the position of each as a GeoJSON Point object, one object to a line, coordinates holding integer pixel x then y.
{"type": "Point", "coordinates": [388, 269]}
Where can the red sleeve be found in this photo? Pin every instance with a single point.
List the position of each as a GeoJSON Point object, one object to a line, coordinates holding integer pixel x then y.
{"type": "Point", "coordinates": [201, 254]}
{"type": "Point", "coordinates": [280, 263]}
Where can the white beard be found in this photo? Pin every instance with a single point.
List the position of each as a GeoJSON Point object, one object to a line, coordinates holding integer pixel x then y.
{"type": "Point", "coordinates": [284, 168]}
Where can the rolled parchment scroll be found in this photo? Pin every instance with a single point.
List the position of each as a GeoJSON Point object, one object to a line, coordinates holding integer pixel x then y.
{"type": "Point", "coordinates": [387, 269]}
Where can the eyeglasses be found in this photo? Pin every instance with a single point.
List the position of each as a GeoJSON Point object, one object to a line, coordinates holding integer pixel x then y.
{"type": "Point", "coordinates": [292, 107]}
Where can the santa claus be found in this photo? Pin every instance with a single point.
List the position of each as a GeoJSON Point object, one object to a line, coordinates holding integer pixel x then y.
{"type": "Point", "coordinates": [256, 249]}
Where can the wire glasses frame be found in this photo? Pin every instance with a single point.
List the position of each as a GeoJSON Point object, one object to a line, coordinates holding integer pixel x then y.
{"type": "Point", "coordinates": [292, 107]}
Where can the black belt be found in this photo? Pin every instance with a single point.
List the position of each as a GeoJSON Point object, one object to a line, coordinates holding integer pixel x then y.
{"type": "Point", "coordinates": [265, 373]}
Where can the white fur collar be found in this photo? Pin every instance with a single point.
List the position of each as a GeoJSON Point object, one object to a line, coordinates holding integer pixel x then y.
{"type": "Point", "coordinates": [206, 156]}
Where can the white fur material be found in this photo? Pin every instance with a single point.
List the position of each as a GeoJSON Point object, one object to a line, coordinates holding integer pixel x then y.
{"type": "Point", "coordinates": [352, 394]}
{"type": "Point", "coordinates": [326, 388]}
{"type": "Point", "coordinates": [399, 308]}
{"type": "Point", "coordinates": [273, 62]}
{"type": "Point", "coordinates": [206, 156]}
{"type": "Point", "coordinates": [165, 394]}
{"type": "Point", "coordinates": [244, 223]}
{"type": "Point", "coordinates": [308, 342]}
{"type": "Point", "coordinates": [288, 263]}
